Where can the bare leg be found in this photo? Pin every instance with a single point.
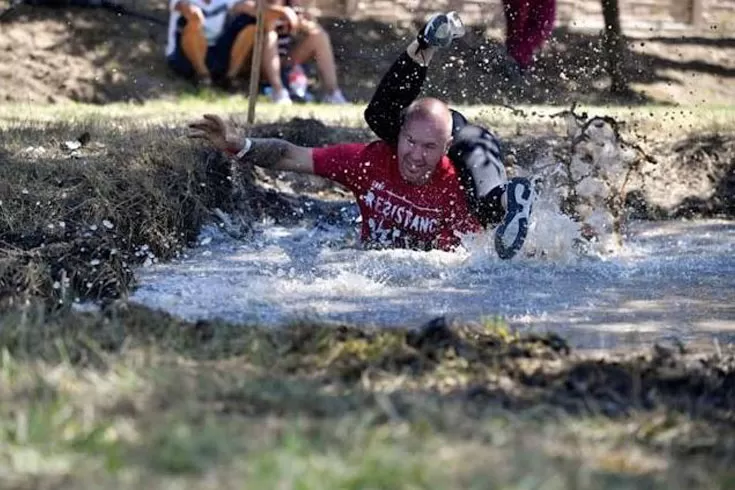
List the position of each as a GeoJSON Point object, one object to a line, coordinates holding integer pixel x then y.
{"type": "Point", "coordinates": [317, 45]}
{"type": "Point", "coordinates": [244, 42]}
{"type": "Point", "coordinates": [241, 50]}
{"type": "Point", "coordinates": [271, 64]}
{"type": "Point", "coordinates": [194, 46]}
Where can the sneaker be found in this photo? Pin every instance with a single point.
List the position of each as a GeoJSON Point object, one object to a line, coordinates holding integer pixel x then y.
{"type": "Point", "coordinates": [336, 97]}
{"type": "Point", "coordinates": [511, 234]}
{"type": "Point", "coordinates": [281, 97]}
{"type": "Point", "coordinates": [440, 30]}
{"type": "Point", "coordinates": [233, 84]}
{"type": "Point", "coordinates": [203, 82]}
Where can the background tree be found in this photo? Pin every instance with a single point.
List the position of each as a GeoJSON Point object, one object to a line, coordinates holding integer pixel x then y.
{"type": "Point", "coordinates": [614, 45]}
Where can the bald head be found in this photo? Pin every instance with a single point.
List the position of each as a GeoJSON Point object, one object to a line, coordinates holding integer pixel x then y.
{"type": "Point", "coordinates": [430, 110]}
{"type": "Point", "coordinates": [425, 135]}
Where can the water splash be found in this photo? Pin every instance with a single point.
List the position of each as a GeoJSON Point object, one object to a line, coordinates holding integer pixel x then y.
{"type": "Point", "coordinates": [666, 279]}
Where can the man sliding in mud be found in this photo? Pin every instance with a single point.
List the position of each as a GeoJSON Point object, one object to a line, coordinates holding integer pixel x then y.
{"type": "Point", "coordinates": [430, 178]}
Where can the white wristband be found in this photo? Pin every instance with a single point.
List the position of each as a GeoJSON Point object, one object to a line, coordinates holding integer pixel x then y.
{"type": "Point", "coordinates": [245, 149]}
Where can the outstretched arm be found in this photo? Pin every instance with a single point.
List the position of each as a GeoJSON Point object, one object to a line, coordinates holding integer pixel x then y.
{"type": "Point", "coordinates": [272, 153]}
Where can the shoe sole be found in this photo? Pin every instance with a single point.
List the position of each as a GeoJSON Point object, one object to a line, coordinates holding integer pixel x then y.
{"type": "Point", "coordinates": [516, 218]}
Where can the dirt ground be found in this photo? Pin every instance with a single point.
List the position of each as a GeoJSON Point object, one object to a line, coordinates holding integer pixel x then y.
{"type": "Point", "coordinates": [92, 55]}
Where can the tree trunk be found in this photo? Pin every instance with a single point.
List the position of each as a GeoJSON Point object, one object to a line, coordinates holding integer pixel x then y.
{"type": "Point", "coordinates": [614, 45]}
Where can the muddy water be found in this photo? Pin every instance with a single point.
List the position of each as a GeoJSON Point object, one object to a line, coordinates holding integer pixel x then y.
{"type": "Point", "coordinates": [670, 280]}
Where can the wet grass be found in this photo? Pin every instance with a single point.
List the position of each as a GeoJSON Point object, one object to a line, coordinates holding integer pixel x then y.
{"type": "Point", "coordinates": [132, 398]}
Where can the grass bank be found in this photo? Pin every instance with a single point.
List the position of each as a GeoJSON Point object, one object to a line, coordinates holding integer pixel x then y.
{"type": "Point", "coordinates": [134, 398]}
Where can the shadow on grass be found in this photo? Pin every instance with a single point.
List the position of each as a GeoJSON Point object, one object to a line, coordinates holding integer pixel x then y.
{"type": "Point", "coordinates": [477, 358]}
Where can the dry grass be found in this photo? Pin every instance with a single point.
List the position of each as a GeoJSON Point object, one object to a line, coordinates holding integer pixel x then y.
{"type": "Point", "coordinates": [82, 204]}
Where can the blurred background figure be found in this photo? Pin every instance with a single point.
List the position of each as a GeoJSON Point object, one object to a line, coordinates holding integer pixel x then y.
{"type": "Point", "coordinates": [529, 24]}
{"type": "Point", "coordinates": [211, 40]}
{"type": "Point", "coordinates": [297, 48]}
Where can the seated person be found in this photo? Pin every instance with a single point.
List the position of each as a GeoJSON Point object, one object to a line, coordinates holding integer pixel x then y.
{"type": "Point", "coordinates": [297, 47]}
{"type": "Point", "coordinates": [212, 39]}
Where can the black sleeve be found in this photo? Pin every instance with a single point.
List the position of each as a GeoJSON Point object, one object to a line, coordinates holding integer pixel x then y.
{"type": "Point", "coordinates": [397, 89]}
{"type": "Point", "coordinates": [458, 122]}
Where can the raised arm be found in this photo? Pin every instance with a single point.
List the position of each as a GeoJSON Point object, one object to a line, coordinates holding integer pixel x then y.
{"type": "Point", "coordinates": [272, 153]}
{"type": "Point", "coordinates": [399, 87]}
{"type": "Point", "coordinates": [402, 84]}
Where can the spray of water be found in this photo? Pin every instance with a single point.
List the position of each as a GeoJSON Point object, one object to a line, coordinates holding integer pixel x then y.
{"type": "Point", "coordinates": [316, 271]}
{"type": "Point", "coordinates": [579, 211]}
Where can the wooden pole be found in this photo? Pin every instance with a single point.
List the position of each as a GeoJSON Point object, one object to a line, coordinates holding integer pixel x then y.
{"type": "Point", "coordinates": [614, 45]}
{"type": "Point", "coordinates": [697, 13]}
{"type": "Point", "coordinates": [257, 56]}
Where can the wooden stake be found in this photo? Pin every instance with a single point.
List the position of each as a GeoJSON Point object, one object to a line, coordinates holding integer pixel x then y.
{"type": "Point", "coordinates": [257, 55]}
{"type": "Point", "coordinates": [697, 18]}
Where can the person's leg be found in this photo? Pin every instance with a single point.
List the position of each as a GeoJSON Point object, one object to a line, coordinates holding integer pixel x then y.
{"type": "Point", "coordinates": [193, 45]}
{"type": "Point", "coordinates": [317, 45]}
{"type": "Point", "coordinates": [492, 198]}
{"type": "Point", "coordinates": [272, 70]}
{"type": "Point", "coordinates": [539, 25]}
{"type": "Point", "coordinates": [517, 44]}
{"type": "Point", "coordinates": [477, 156]}
{"type": "Point", "coordinates": [238, 40]}
{"type": "Point", "coordinates": [178, 62]}
{"type": "Point", "coordinates": [235, 45]}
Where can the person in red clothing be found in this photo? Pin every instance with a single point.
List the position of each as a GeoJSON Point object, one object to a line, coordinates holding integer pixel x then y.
{"type": "Point", "coordinates": [430, 177]}
{"type": "Point", "coordinates": [410, 195]}
{"type": "Point", "coordinates": [529, 24]}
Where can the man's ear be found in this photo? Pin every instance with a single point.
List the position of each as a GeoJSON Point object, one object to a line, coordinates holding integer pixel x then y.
{"type": "Point", "coordinates": [448, 144]}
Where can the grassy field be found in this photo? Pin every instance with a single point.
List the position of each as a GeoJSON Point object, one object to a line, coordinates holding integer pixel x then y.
{"type": "Point", "coordinates": [662, 119]}
{"type": "Point", "coordinates": [132, 398]}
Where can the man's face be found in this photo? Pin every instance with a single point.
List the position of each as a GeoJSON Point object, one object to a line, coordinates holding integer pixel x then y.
{"type": "Point", "coordinates": [421, 144]}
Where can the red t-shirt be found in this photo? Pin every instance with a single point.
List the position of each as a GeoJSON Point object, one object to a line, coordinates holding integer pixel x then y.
{"type": "Point", "coordinates": [395, 213]}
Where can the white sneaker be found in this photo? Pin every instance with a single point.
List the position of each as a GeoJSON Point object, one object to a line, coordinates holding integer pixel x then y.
{"type": "Point", "coordinates": [281, 97]}
{"type": "Point", "coordinates": [336, 97]}
{"type": "Point", "coordinates": [440, 30]}
{"type": "Point", "coordinates": [511, 234]}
